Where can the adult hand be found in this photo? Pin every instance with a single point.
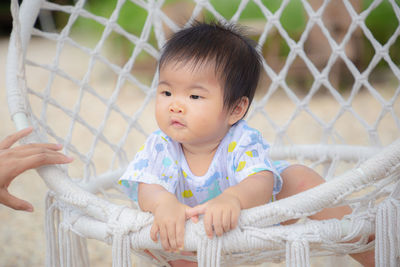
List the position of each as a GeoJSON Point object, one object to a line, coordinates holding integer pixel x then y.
{"type": "Point", "coordinates": [14, 161]}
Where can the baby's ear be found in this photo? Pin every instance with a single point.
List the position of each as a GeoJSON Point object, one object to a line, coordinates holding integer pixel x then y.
{"type": "Point", "coordinates": [239, 110]}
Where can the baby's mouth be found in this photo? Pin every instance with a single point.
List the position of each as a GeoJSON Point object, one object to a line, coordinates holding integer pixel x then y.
{"type": "Point", "coordinates": [177, 123]}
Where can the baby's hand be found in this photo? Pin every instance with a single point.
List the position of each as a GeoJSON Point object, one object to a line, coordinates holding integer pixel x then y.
{"type": "Point", "coordinates": [169, 223]}
{"type": "Point", "coordinates": [221, 214]}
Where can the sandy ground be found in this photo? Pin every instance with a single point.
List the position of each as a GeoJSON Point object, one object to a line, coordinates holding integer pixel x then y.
{"type": "Point", "coordinates": [22, 234]}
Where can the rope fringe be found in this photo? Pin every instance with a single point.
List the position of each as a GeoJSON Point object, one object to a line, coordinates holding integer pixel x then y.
{"type": "Point", "coordinates": [121, 248]}
{"type": "Point", "coordinates": [388, 233]}
{"type": "Point", "coordinates": [65, 247]}
{"type": "Point", "coordinates": [121, 251]}
{"type": "Point", "coordinates": [297, 253]}
{"type": "Point", "coordinates": [209, 252]}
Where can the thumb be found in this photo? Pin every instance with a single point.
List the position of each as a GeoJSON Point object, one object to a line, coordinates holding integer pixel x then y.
{"type": "Point", "coordinates": [13, 202]}
{"type": "Point", "coordinates": [195, 211]}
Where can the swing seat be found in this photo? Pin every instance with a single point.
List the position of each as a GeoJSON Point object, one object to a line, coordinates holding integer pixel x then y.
{"type": "Point", "coordinates": [95, 96]}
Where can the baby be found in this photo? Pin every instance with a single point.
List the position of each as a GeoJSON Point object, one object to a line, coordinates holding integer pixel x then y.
{"type": "Point", "coordinates": [205, 159]}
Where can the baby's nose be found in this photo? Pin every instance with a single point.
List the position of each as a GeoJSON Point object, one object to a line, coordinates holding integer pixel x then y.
{"type": "Point", "coordinates": [176, 108]}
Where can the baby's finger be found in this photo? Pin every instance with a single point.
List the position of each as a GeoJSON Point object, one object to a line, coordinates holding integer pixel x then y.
{"type": "Point", "coordinates": [195, 219]}
{"type": "Point", "coordinates": [226, 221]}
{"type": "Point", "coordinates": [208, 225]}
{"type": "Point", "coordinates": [195, 211]}
{"type": "Point", "coordinates": [180, 234]}
{"type": "Point", "coordinates": [171, 229]}
{"type": "Point", "coordinates": [234, 219]}
{"type": "Point", "coordinates": [217, 223]}
{"type": "Point", "coordinates": [154, 232]}
{"type": "Point", "coordinates": [164, 238]}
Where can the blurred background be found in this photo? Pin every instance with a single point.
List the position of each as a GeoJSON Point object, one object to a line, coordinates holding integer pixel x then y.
{"type": "Point", "coordinates": [382, 23]}
{"type": "Point", "coordinates": [22, 235]}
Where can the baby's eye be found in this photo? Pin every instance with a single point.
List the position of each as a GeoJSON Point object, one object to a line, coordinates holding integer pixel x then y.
{"type": "Point", "coordinates": [195, 97]}
{"type": "Point", "coordinates": [166, 93]}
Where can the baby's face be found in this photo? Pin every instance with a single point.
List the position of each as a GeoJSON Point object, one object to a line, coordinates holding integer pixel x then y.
{"type": "Point", "coordinates": [189, 104]}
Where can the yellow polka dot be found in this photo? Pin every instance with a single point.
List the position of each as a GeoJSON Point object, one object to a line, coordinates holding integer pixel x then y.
{"type": "Point", "coordinates": [249, 153]}
{"type": "Point", "coordinates": [227, 178]}
{"type": "Point", "coordinates": [241, 166]}
{"type": "Point", "coordinates": [141, 148]}
{"type": "Point", "coordinates": [232, 146]}
{"type": "Point", "coordinates": [120, 182]}
{"type": "Point", "coordinates": [184, 174]}
{"type": "Point", "coordinates": [164, 138]}
{"type": "Point", "coordinates": [187, 194]}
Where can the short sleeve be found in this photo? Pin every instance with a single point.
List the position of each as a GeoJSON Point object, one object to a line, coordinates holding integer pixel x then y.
{"type": "Point", "coordinates": [249, 155]}
{"type": "Point", "coordinates": [154, 163]}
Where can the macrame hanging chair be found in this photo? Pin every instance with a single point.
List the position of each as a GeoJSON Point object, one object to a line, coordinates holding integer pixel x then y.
{"type": "Point", "coordinates": [100, 108]}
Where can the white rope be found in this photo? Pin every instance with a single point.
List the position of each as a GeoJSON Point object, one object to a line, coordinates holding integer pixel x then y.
{"type": "Point", "coordinates": [68, 247]}
{"type": "Point", "coordinates": [297, 253]}
{"type": "Point", "coordinates": [120, 240]}
{"type": "Point", "coordinates": [209, 252]}
{"type": "Point", "coordinates": [73, 213]}
{"type": "Point", "coordinates": [51, 220]}
{"type": "Point", "coordinates": [388, 231]}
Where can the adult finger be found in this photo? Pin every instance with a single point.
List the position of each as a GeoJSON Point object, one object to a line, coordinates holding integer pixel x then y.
{"type": "Point", "coordinates": [13, 202]}
{"type": "Point", "coordinates": [12, 138]}
{"type": "Point", "coordinates": [33, 149]}
{"type": "Point", "coordinates": [24, 151]}
{"type": "Point", "coordinates": [37, 147]}
{"type": "Point", "coordinates": [41, 159]}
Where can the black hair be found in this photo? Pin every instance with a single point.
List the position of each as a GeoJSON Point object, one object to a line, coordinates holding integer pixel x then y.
{"type": "Point", "coordinates": [237, 62]}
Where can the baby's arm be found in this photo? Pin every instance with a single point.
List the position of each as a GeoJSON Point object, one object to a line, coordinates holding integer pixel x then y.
{"type": "Point", "coordinates": [253, 191]}
{"type": "Point", "coordinates": [222, 212]}
{"type": "Point", "coordinates": [169, 215]}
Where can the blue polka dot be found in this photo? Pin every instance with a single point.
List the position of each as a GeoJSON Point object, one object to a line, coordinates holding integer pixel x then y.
{"type": "Point", "coordinates": [255, 153]}
{"type": "Point", "coordinates": [167, 162]}
{"type": "Point", "coordinates": [143, 163]}
{"type": "Point", "coordinates": [125, 183]}
{"type": "Point", "coordinates": [159, 147]}
{"type": "Point", "coordinates": [255, 170]}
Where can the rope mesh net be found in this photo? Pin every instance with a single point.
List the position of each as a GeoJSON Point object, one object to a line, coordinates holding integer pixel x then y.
{"type": "Point", "coordinates": [110, 82]}
{"type": "Point", "coordinates": [92, 86]}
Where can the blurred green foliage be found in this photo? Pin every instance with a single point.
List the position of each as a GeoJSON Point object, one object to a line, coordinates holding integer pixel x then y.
{"type": "Point", "coordinates": [132, 17]}
{"type": "Point", "coordinates": [382, 22]}
{"type": "Point", "coordinates": [293, 17]}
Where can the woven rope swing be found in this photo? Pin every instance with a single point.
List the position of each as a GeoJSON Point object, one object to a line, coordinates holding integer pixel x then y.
{"type": "Point", "coordinates": [92, 89]}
